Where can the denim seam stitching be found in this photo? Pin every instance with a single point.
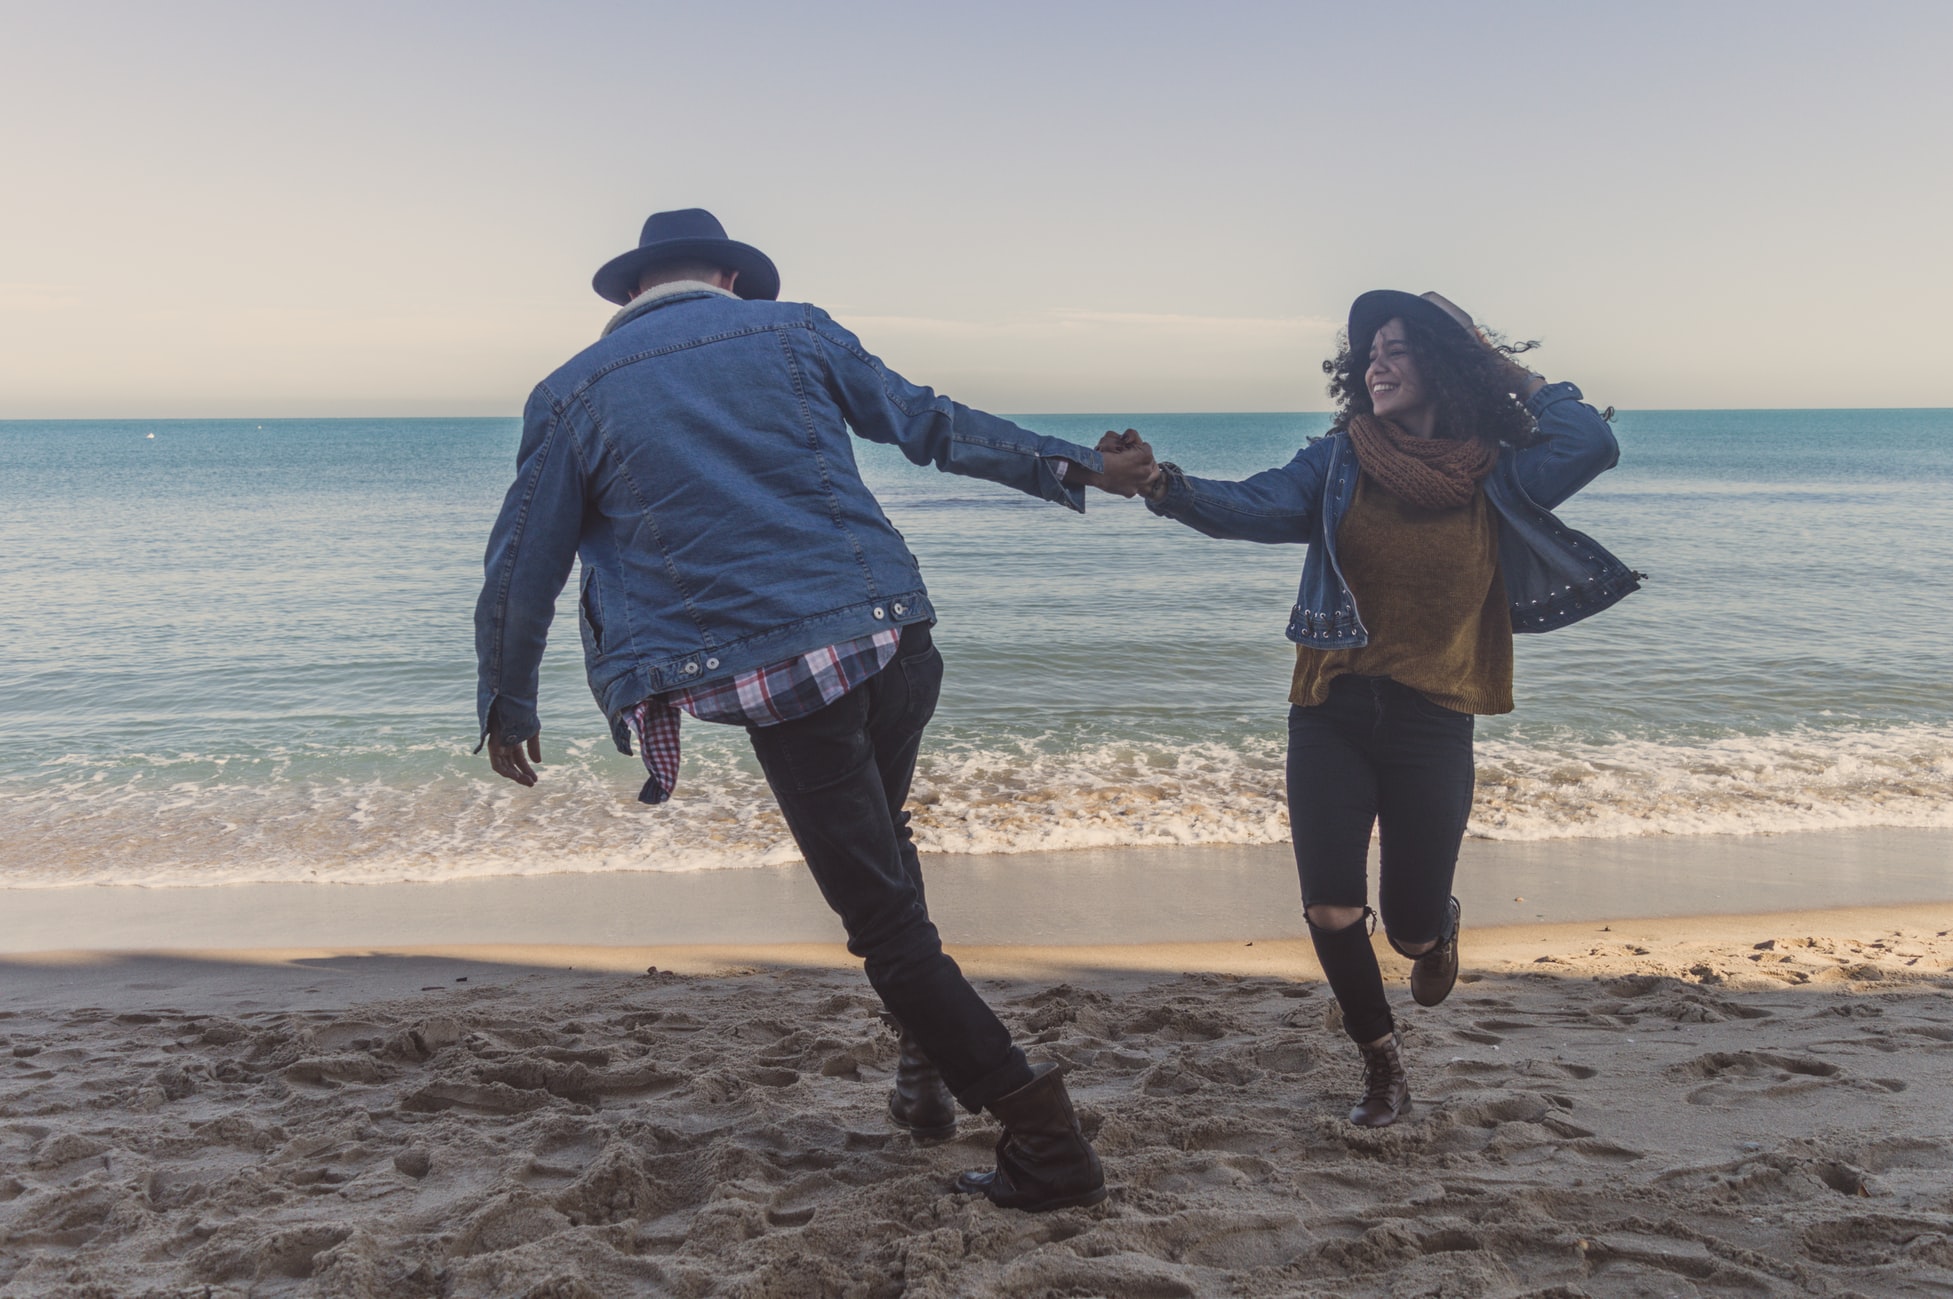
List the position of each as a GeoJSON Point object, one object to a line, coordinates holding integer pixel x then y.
{"type": "Point", "coordinates": [820, 462]}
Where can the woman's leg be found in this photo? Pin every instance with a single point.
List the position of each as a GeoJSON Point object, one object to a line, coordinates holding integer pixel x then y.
{"type": "Point", "coordinates": [1424, 797]}
{"type": "Point", "coordinates": [1332, 795]}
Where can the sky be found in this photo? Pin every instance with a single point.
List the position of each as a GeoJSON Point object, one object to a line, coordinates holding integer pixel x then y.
{"type": "Point", "coordinates": [284, 209]}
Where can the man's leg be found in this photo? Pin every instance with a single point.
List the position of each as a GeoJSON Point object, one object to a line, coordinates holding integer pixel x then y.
{"type": "Point", "coordinates": [900, 707]}
{"type": "Point", "coordinates": [836, 775]}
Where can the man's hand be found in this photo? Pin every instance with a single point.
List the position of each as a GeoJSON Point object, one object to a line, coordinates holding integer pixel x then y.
{"type": "Point", "coordinates": [1128, 464]}
{"type": "Point", "coordinates": [509, 762]}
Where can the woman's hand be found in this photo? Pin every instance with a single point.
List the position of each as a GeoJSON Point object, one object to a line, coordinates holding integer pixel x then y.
{"type": "Point", "coordinates": [1524, 383]}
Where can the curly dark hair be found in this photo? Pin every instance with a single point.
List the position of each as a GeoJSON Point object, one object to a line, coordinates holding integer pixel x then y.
{"type": "Point", "coordinates": [1469, 383]}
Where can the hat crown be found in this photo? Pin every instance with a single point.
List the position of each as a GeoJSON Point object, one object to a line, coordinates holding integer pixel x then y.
{"type": "Point", "coordinates": [687, 234]}
{"type": "Point", "coordinates": [685, 223]}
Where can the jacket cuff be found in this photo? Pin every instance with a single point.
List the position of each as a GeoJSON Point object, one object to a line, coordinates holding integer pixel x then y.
{"type": "Point", "coordinates": [1177, 495]}
{"type": "Point", "coordinates": [1067, 490]}
{"type": "Point", "coordinates": [1064, 489]}
{"type": "Point", "coordinates": [1553, 392]}
{"type": "Point", "coordinates": [510, 721]}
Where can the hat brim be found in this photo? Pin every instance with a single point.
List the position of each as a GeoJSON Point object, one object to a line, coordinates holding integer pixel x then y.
{"type": "Point", "coordinates": [616, 280]}
{"type": "Point", "coordinates": [1377, 308]}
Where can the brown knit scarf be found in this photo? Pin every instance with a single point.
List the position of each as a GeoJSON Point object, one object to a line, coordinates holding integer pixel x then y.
{"type": "Point", "coordinates": [1431, 473]}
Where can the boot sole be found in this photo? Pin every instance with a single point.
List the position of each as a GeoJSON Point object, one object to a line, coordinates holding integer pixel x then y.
{"type": "Point", "coordinates": [1082, 1200]}
{"type": "Point", "coordinates": [1403, 1112]}
{"type": "Point", "coordinates": [1068, 1202]}
{"type": "Point", "coordinates": [943, 1133]}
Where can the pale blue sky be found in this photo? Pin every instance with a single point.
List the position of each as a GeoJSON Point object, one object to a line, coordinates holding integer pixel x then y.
{"type": "Point", "coordinates": [365, 208]}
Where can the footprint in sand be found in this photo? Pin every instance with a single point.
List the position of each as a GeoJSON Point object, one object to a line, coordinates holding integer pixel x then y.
{"type": "Point", "coordinates": [1941, 1036]}
{"type": "Point", "coordinates": [1740, 1075]}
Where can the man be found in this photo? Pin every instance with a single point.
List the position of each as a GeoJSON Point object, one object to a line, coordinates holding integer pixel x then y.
{"type": "Point", "coordinates": [735, 567]}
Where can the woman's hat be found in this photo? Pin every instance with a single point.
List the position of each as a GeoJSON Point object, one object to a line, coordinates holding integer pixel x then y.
{"type": "Point", "coordinates": [1378, 307]}
{"type": "Point", "coordinates": [685, 235]}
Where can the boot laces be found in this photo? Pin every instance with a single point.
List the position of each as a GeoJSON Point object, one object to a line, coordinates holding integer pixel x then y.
{"type": "Point", "coordinates": [1380, 1071]}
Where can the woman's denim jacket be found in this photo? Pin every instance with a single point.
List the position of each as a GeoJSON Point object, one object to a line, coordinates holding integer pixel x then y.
{"type": "Point", "coordinates": [1553, 575]}
{"type": "Point", "coordinates": [698, 460]}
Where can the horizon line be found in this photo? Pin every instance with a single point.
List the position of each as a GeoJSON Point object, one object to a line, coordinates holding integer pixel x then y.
{"type": "Point", "coordinates": [1038, 414]}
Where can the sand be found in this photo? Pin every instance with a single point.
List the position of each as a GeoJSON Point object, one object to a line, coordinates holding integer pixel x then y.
{"type": "Point", "coordinates": [1725, 1106]}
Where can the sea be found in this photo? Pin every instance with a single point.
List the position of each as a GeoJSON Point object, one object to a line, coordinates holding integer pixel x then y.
{"type": "Point", "coordinates": [242, 651]}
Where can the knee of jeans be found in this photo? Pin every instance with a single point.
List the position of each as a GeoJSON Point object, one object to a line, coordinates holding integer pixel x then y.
{"type": "Point", "coordinates": [1334, 920]}
{"type": "Point", "coordinates": [1401, 919]}
{"type": "Point", "coordinates": [1410, 950]}
{"type": "Point", "coordinates": [895, 933]}
{"type": "Point", "coordinates": [911, 963]}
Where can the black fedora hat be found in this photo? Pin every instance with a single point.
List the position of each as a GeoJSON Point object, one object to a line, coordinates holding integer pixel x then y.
{"type": "Point", "coordinates": [1373, 310]}
{"type": "Point", "coordinates": [687, 234]}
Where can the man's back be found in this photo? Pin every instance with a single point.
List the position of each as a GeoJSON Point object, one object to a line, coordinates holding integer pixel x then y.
{"type": "Point", "coordinates": [698, 458]}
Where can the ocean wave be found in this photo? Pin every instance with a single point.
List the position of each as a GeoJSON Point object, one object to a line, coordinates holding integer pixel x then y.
{"type": "Point", "coordinates": [88, 823]}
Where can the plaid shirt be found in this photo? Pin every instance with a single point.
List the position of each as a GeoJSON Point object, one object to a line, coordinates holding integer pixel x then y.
{"type": "Point", "coordinates": [778, 692]}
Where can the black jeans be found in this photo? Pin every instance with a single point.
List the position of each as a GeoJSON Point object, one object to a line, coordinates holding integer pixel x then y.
{"type": "Point", "coordinates": [1376, 753]}
{"type": "Point", "coordinates": [841, 776]}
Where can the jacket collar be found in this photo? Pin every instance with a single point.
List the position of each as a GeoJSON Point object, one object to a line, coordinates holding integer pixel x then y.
{"type": "Point", "coordinates": [651, 297]}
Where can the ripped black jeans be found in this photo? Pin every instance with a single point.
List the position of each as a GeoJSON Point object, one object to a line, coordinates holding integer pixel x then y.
{"type": "Point", "coordinates": [1376, 753]}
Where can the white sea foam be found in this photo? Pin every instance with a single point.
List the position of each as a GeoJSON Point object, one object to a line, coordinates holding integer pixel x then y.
{"type": "Point", "coordinates": [157, 829]}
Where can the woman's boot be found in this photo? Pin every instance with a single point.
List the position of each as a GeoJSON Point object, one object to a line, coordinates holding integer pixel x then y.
{"type": "Point", "coordinates": [1386, 1085]}
{"type": "Point", "coordinates": [1434, 972]}
{"type": "Point", "coordinates": [1043, 1159]}
{"type": "Point", "coordinates": [920, 1101]}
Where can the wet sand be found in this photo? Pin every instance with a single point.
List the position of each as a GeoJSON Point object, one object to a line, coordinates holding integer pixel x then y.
{"type": "Point", "coordinates": [1127, 896]}
{"type": "Point", "coordinates": [1722, 1105]}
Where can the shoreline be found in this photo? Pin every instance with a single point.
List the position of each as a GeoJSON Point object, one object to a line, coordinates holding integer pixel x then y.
{"type": "Point", "coordinates": [316, 977]}
{"type": "Point", "coordinates": [1084, 898]}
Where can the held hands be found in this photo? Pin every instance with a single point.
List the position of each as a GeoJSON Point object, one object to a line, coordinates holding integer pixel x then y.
{"type": "Point", "coordinates": [1129, 468]}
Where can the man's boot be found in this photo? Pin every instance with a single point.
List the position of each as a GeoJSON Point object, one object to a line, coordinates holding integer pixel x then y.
{"type": "Point", "coordinates": [920, 1101]}
{"type": "Point", "coordinates": [1043, 1159]}
{"type": "Point", "coordinates": [1386, 1086]}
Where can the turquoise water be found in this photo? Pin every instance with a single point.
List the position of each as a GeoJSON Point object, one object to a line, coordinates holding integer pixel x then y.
{"type": "Point", "coordinates": [243, 651]}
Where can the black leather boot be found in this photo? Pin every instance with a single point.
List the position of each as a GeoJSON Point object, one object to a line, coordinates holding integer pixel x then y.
{"type": "Point", "coordinates": [1043, 1159]}
{"type": "Point", "coordinates": [920, 1101]}
{"type": "Point", "coordinates": [1386, 1086]}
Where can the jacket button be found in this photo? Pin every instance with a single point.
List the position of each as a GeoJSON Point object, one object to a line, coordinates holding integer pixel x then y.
{"type": "Point", "coordinates": [712, 663]}
{"type": "Point", "coordinates": [900, 610]}
{"type": "Point", "coordinates": [880, 612]}
{"type": "Point", "coordinates": [691, 669]}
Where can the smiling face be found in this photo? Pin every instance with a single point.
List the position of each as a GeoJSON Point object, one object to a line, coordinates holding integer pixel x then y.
{"type": "Point", "coordinates": [1396, 390]}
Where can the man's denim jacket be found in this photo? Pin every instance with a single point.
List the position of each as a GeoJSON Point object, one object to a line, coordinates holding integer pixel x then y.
{"type": "Point", "coordinates": [697, 459]}
{"type": "Point", "coordinates": [1553, 575]}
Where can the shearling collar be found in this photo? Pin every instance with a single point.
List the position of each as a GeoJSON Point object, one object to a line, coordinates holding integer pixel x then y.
{"type": "Point", "coordinates": [658, 293]}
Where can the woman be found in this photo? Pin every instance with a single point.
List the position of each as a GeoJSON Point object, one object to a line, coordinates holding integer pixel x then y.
{"type": "Point", "coordinates": [1425, 512]}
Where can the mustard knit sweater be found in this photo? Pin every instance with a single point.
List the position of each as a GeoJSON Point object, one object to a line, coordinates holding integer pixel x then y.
{"type": "Point", "coordinates": [1428, 589]}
